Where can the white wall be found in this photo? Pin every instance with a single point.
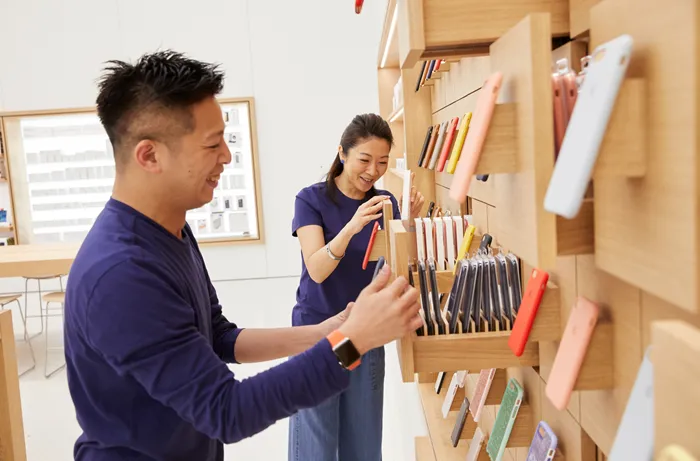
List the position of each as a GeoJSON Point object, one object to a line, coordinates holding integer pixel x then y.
{"type": "Point", "coordinates": [309, 64]}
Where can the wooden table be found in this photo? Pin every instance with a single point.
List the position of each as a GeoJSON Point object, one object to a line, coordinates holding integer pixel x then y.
{"type": "Point", "coordinates": [37, 260]}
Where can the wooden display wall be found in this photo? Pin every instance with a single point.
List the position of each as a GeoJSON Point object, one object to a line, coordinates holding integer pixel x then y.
{"type": "Point", "coordinates": [644, 199]}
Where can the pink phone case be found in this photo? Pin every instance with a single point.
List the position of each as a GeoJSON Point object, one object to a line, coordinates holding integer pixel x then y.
{"type": "Point", "coordinates": [478, 128]}
{"type": "Point", "coordinates": [483, 386]}
{"type": "Point", "coordinates": [572, 351]}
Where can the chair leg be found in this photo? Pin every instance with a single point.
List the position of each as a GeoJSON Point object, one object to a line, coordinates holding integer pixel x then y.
{"type": "Point", "coordinates": [26, 340]}
{"type": "Point", "coordinates": [48, 374]}
{"type": "Point", "coordinates": [26, 310]}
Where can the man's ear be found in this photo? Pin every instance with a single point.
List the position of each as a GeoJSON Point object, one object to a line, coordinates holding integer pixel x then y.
{"type": "Point", "coordinates": [146, 155]}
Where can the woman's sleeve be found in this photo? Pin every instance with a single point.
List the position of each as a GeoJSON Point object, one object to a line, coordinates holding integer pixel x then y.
{"type": "Point", "coordinates": [305, 213]}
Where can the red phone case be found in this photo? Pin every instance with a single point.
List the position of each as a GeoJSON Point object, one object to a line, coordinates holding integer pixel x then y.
{"type": "Point", "coordinates": [370, 245]}
{"type": "Point", "coordinates": [447, 146]}
{"type": "Point", "coordinates": [527, 311]}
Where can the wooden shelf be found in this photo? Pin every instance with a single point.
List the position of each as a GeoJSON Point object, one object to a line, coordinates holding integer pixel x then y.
{"type": "Point", "coordinates": [439, 428]}
{"type": "Point", "coordinates": [431, 29]}
{"type": "Point", "coordinates": [396, 116]}
{"type": "Point", "coordinates": [396, 172]}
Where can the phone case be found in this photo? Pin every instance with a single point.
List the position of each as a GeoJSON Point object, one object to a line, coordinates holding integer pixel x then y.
{"type": "Point", "coordinates": [365, 261]}
{"type": "Point", "coordinates": [457, 294]}
{"type": "Point", "coordinates": [431, 67]}
{"type": "Point", "coordinates": [476, 445]}
{"type": "Point", "coordinates": [459, 143]}
{"type": "Point", "coordinates": [380, 264]}
{"type": "Point", "coordinates": [589, 121]}
{"type": "Point", "coordinates": [481, 392]}
{"type": "Point", "coordinates": [504, 290]}
{"type": "Point", "coordinates": [420, 75]}
{"type": "Point", "coordinates": [423, 280]}
{"type": "Point", "coordinates": [435, 296]}
{"type": "Point", "coordinates": [496, 302]}
{"type": "Point", "coordinates": [438, 63]}
{"type": "Point", "coordinates": [675, 453]}
{"type": "Point", "coordinates": [515, 283]}
{"type": "Point", "coordinates": [482, 177]}
{"type": "Point", "coordinates": [450, 243]}
{"type": "Point", "coordinates": [528, 311]}
{"type": "Point", "coordinates": [572, 351]}
{"type": "Point", "coordinates": [559, 111]}
{"type": "Point", "coordinates": [431, 146]}
{"type": "Point", "coordinates": [469, 300]}
{"type": "Point", "coordinates": [461, 420]}
{"type": "Point", "coordinates": [570, 93]}
{"type": "Point", "coordinates": [635, 434]}
{"type": "Point", "coordinates": [421, 249]}
{"type": "Point", "coordinates": [424, 75]}
{"type": "Point", "coordinates": [424, 149]}
{"type": "Point", "coordinates": [466, 242]}
{"type": "Point", "coordinates": [544, 444]}
{"type": "Point", "coordinates": [485, 244]}
{"type": "Point", "coordinates": [431, 207]}
{"type": "Point", "coordinates": [440, 244]}
{"type": "Point", "coordinates": [447, 145]}
{"type": "Point", "coordinates": [479, 127]}
{"type": "Point", "coordinates": [429, 238]}
{"type": "Point", "coordinates": [478, 310]}
{"type": "Point", "coordinates": [455, 383]}
{"type": "Point", "coordinates": [505, 418]}
{"type": "Point", "coordinates": [438, 145]}
{"type": "Point", "coordinates": [439, 381]}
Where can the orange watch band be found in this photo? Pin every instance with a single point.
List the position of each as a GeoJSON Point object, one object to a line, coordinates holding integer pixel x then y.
{"type": "Point", "coordinates": [335, 338]}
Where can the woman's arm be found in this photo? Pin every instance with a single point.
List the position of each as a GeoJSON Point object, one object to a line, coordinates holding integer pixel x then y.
{"type": "Point", "coordinates": [313, 248]}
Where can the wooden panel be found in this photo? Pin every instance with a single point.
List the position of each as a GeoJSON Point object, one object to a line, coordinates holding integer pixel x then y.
{"type": "Point", "coordinates": [523, 55]}
{"type": "Point", "coordinates": [573, 51]}
{"type": "Point", "coordinates": [634, 216]}
{"type": "Point", "coordinates": [465, 76]}
{"type": "Point", "coordinates": [655, 309]}
{"type": "Point", "coordinates": [387, 78]}
{"type": "Point", "coordinates": [676, 348]}
{"type": "Point", "coordinates": [602, 410]}
{"type": "Point", "coordinates": [424, 449]}
{"type": "Point", "coordinates": [12, 446]}
{"type": "Point", "coordinates": [409, 28]}
{"type": "Point", "coordinates": [480, 217]}
{"type": "Point", "coordinates": [439, 428]}
{"type": "Point", "coordinates": [579, 11]}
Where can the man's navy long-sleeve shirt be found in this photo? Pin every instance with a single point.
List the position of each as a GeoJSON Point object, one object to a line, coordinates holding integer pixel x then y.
{"type": "Point", "coordinates": [146, 345]}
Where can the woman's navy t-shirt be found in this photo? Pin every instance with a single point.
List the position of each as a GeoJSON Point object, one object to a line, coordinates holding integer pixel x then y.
{"type": "Point", "coordinates": [318, 302]}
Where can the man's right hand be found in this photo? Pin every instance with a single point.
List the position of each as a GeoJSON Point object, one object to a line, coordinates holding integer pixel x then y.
{"type": "Point", "coordinates": [382, 313]}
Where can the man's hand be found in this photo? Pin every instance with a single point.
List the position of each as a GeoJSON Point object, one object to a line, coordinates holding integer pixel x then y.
{"type": "Point", "coordinates": [330, 325]}
{"type": "Point", "coordinates": [382, 313]}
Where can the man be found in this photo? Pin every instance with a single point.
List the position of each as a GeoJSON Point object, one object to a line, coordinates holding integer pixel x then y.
{"type": "Point", "coordinates": [146, 341]}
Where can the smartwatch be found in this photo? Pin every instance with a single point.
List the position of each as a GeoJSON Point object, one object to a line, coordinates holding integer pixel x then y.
{"type": "Point", "coordinates": [344, 350]}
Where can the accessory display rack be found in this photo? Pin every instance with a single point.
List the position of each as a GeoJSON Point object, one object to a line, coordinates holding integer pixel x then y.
{"type": "Point", "coordinates": [644, 196]}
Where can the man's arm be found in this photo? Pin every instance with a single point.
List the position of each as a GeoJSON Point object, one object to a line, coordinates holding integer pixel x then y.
{"type": "Point", "coordinates": [145, 330]}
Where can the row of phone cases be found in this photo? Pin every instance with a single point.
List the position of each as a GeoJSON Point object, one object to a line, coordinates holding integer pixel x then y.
{"type": "Point", "coordinates": [544, 442]}
{"type": "Point", "coordinates": [443, 144]}
{"type": "Point", "coordinates": [428, 68]}
{"type": "Point", "coordinates": [444, 239]}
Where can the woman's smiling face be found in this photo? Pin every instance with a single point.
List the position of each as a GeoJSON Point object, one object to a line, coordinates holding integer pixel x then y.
{"type": "Point", "coordinates": [366, 162]}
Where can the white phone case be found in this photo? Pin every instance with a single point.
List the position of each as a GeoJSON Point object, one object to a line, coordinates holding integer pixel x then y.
{"type": "Point", "coordinates": [635, 435]}
{"type": "Point", "coordinates": [438, 145]}
{"type": "Point", "coordinates": [450, 242]}
{"type": "Point", "coordinates": [406, 200]}
{"type": "Point", "coordinates": [459, 230]}
{"type": "Point", "coordinates": [476, 445]}
{"type": "Point", "coordinates": [440, 244]}
{"type": "Point", "coordinates": [586, 129]}
{"type": "Point", "coordinates": [420, 239]}
{"type": "Point", "coordinates": [450, 396]}
{"type": "Point", "coordinates": [429, 242]}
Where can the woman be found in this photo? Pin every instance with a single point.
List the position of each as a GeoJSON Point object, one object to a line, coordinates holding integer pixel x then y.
{"type": "Point", "coordinates": [333, 221]}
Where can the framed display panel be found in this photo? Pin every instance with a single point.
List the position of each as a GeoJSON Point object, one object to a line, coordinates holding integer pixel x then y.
{"type": "Point", "coordinates": [61, 171]}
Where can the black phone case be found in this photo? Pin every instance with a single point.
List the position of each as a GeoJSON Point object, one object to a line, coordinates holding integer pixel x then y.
{"type": "Point", "coordinates": [469, 297]}
{"type": "Point", "coordinates": [411, 282]}
{"type": "Point", "coordinates": [380, 264]}
{"type": "Point", "coordinates": [460, 422]}
{"type": "Point", "coordinates": [505, 288]}
{"type": "Point", "coordinates": [485, 243]}
{"type": "Point", "coordinates": [420, 75]}
{"type": "Point", "coordinates": [423, 279]}
{"type": "Point", "coordinates": [431, 66]}
{"type": "Point", "coordinates": [498, 308]}
{"type": "Point", "coordinates": [424, 150]}
{"type": "Point", "coordinates": [440, 380]}
{"type": "Point", "coordinates": [482, 177]}
{"type": "Point", "coordinates": [435, 297]}
{"type": "Point", "coordinates": [431, 207]}
{"type": "Point", "coordinates": [453, 302]}
{"type": "Point", "coordinates": [514, 268]}
{"type": "Point", "coordinates": [487, 305]}
{"type": "Point", "coordinates": [479, 310]}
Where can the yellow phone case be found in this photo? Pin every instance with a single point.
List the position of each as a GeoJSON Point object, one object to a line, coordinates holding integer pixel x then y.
{"type": "Point", "coordinates": [675, 453]}
{"type": "Point", "coordinates": [466, 243]}
{"type": "Point", "coordinates": [459, 143]}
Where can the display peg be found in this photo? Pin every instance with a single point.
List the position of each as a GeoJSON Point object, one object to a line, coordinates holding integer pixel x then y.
{"type": "Point", "coordinates": [499, 153]}
{"type": "Point", "coordinates": [623, 152]}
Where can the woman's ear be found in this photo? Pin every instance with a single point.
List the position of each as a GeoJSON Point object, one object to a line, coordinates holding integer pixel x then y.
{"type": "Point", "coordinates": [341, 154]}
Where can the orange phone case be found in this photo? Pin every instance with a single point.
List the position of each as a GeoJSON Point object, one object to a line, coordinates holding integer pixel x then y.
{"type": "Point", "coordinates": [447, 145]}
{"type": "Point", "coordinates": [431, 146]}
{"type": "Point", "coordinates": [572, 351]}
{"type": "Point", "coordinates": [478, 129]}
{"type": "Point", "coordinates": [527, 311]}
{"type": "Point", "coordinates": [370, 245]}
{"type": "Point", "coordinates": [570, 93]}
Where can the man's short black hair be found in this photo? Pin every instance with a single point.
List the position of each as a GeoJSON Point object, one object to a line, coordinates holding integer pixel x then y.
{"type": "Point", "coordinates": [152, 98]}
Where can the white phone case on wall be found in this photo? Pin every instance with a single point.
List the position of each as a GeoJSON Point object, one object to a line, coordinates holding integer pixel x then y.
{"type": "Point", "coordinates": [635, 435]}
{"type": "Point", "coordinates": [420, 239]}
{"type": "Point", "coordinates": [429, 242]}
{"type": "Point", "coordinates": [450, 396]}
{"type": "Point", "coordinates": [459, 230]}
{"type": "Point", "coordinates": [450, 242]}
{"type": "Point", "coordinates": [440, 244]}
{"type": "Point", "coordinates": [406, 199]}
{"type": "Point", "coordinates": [586, 129]}
{"type": "Point", "coordinates": [476, 445]}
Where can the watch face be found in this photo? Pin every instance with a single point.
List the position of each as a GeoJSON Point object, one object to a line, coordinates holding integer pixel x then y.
{"type": "Point", "coordinates": [346, 353]}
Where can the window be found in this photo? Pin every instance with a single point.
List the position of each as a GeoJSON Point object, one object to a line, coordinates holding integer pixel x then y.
{"type": "Point", "coordinates": [61, 169]}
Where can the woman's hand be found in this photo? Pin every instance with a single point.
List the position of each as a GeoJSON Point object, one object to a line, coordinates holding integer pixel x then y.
{"type": "Point", "coordinates": [366, 213]}
{"type": "Point", "coordinates": [417, 201]}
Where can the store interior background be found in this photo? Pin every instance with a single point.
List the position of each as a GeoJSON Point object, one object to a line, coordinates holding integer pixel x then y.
{"type": "Point", "coordinates": [310, 65]}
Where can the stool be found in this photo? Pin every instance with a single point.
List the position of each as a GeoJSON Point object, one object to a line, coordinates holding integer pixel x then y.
{"type": "Point", "coordinates": [8, 299]}
{"type": "Point", "coordinates": [41, 307]}
{"type": "Point", "coordinates": [56, 297]}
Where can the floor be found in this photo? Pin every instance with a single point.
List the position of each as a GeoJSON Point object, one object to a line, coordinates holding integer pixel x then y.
{"type": "Point", "coordinates": [49, 418]}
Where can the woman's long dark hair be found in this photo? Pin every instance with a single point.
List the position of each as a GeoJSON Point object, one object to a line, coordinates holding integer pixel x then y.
{"type": "Point", "coordinates": [362, 127]}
